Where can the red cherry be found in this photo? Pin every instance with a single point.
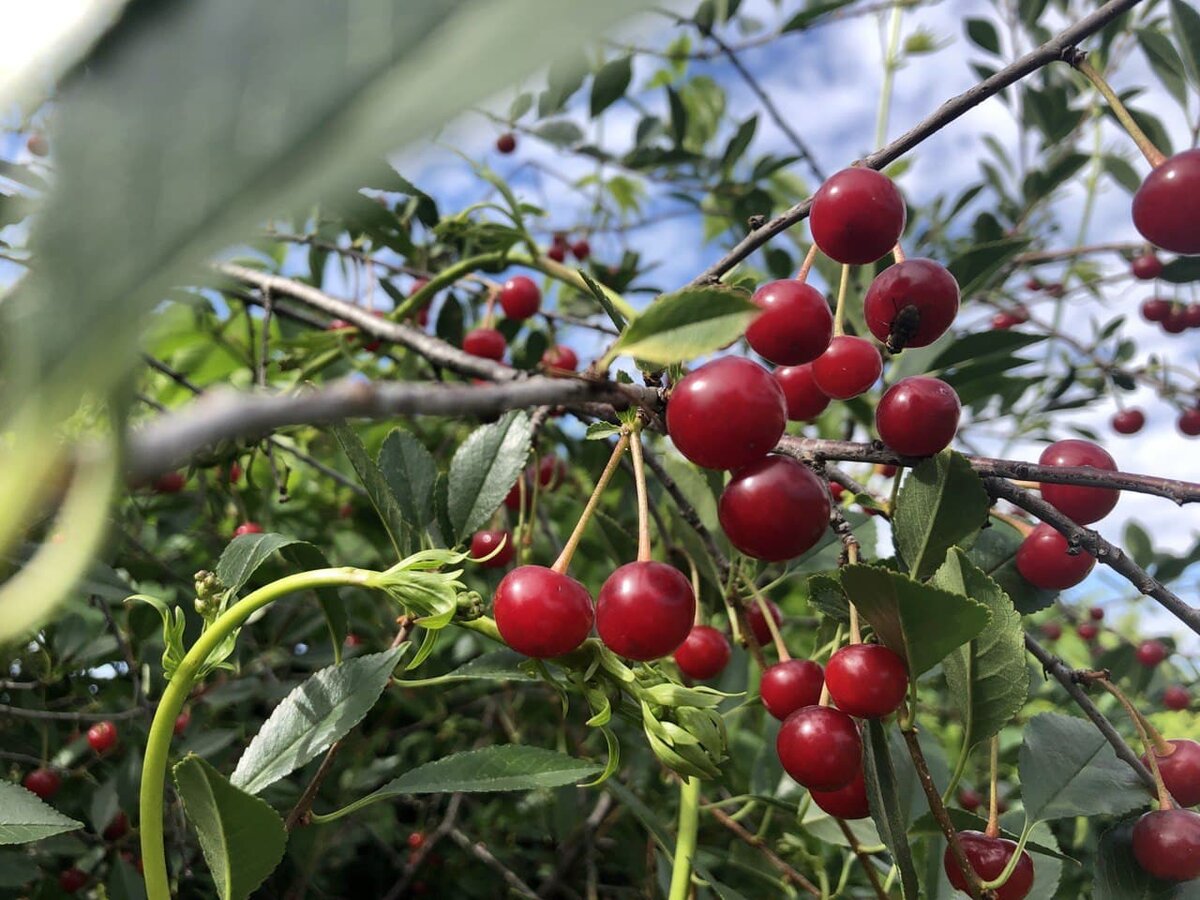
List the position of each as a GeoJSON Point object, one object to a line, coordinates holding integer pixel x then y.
{"type": "Point", "coordinates": [43, 782]}
{"type": "Point", "coordinates": [918, 416]}
{"type": "Point", "coordinates": [969, 799]}
{"type": "Point", "coordinates": [169, 483]}
{"type": "Point", "coordinates": [1151, 653]}
{"type": "Point", "coordinates": [1033, 284]}
{"type": "Point", "coordinates": [820, 747]}
{"type": "Point", "coordinates": [804, 399]}
{"type": "Point", "coordinates": [346, 510]}
{"type": "Point", "coordinates": [102, 736]}
{"type": "Point", "coordinates": [581, 249]}
{"type": "Point", "coordinates": [1189, 422]}
{"type": "Point", "coordinates": [726, 414]}
{"type": "Point", "coordinates": [1088, 631]}
{"type": "Point", "coordinates": [560, 357]}
{"type": "Point", "coordinates": [868, 681]}
{"type": "Point", "coordinates": [1146, 266]}
{"type": "Point", "coordinates": [1156, 309]}
{"type": "Point", "coordinates": [849, 802]}
{"type": "Point", "coordinates": [775, 509]}
{"type": "Point", "coordinates": [506, 143]}
{"type": "Point", "coordinates": [117, 828]}
{"type": "Point", "coordinates": [485, 342]}
{"type": "Point", "coordinates": [247, 528]}
{"type": "Point", "coordinates": [1043, 561]}
{"type": "Point", "coordinates": [1176, 321]}
{"type": "Point", "coordinates": [703, 654]}
{"type": "Point", "coordinates": [1128, 421]}
{"type": "Point", "coordinates": [790, 685]}
{"type": "Point", "coordinates": [1166, 844]}
{"type": "Point", "coordinates": [911, 304]}
{"type": "Point", "coordinates": [37, 144]}
{"type": "Point", "coordinates": [836, 490]}
{"type": "Point", "coordinates": [1002, 321]}
{"type": "Point", "coordinates": [72, 880]}
{"type": "Point", "coordinates": [1161, 211]}
{"type": "Point", "coordinates": [185, 718]}
{"type": "Point", "coordinates": [795, 325]}
{"type": "Point", "coordinates": [551, 472]}
{"type": "Point", "coordinates": [645, 610]}
{"type": "Point", "coordinates": [1191, 315]}
{"type": "Point", "coordinates": [1083, 505]}
{"type": "Point", "coordinates": [1051, 631]}
{"type": "Point", "coordinates": [857, 216]}
{"type": "Point", "coordinates": [758, 622]}
{"type": "Point", "coordinates": [542, 613]}
{"type": "Point", "coordinates": [235, 473]}
{"type": "Point", "coordinates": [339, 325]}
{"type": "Point", "coordinates": [1055, 289]}
{"type": "Point", "coordinates": [1096, 614]}
{"type": "Point", "coordinates": [848, 368]}
{"type": "Point", "coordinates": [520, 298]}
{"type": "Point", "coordinates": [484, 542]}
{"type": "Point", "coordinates": [512, 500]}
{"type": "Point", "coordinates": [988, 856]}
{"type": "Point", "coordinates": [557, 252]}
{"type": "Point", "coordinates": [416, 840]}
{"type": "Point", "coordinates": [353, 640]}
{"type": "Point", "coordinates": [1177, 698]}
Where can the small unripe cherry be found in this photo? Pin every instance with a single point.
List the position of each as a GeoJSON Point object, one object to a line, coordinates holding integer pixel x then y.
{"type": "Point", "coordinates": [581, 249]}
{"type": "Point", "coordinates": [1043, 561]}
{"type": "Point", "coordinates": [247, 528]}
{"type": "Point", "coordinates": [804, 399]}
{"type": "Point", "coordinates": [762, 497]}
{"type": "Point", "coordinates": [820, 748]}
{"type": "Point", "coordinates": [790, 685]}
{"type": "Point", "coordinates": [1083, 505]}
{"type": "Point", "coordinates": [1156, 309]}
{"type": "Point", "coordinates": [542, 613]}
{"type": "Point", "coordinates": [645, 610]}
{"type": "Point", "coordinates": [857, 216]}
{"type": "Point", "coordinates": [506, 143]}
{"type": "Point", "coordinates": [849, 802]}
{"type": "Point", "coordinates": [560, 357]}
{"type": "Point", "coordinates": [1176, 698]}
{"type": "Point", "coordinates": [848, 368]}
{"type": "Point", "coordinates": [1180, 770]}
{"type": "Point", "coordinates": [988, 856]}
{"type": "Point", "coordinates": [485, 542]}
{"type": "Point", "coordinates": [520, 297]}
{"type": "Point", "coordinates": [1162, 212]}
{"type": "Point", "coordinates": [43, 782]}
{"type": "Point", "coordinates": [487, 343]}
{"type": "Point", "coordinates": [703, 654]}
{"type": "Point", "coordinates": [1128, 421]}
{"type": "Point", "coordinates": [911, 304]}
{"type": "Point", "coordinates": [1151, 653]}
{"type": "Point", "coordinates": [102, 736]}
{"type": "Point", "coordinates": [1146, 266]}
{"type": "Point", "coordinates": [868, 681]}
{"type": "Point", "coordinates": [795, 325]}
{"type": "Point", "coordinates": [758, 622]}
{"type": "Point", "coordinates": [1189, 421]}
{"type": "Point", "coordinates": [918, 416]}
{"type": "Point", "coordinates": [1166, 844]}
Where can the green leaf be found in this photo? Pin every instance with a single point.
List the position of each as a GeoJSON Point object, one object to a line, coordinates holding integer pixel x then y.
{"type": "Point", "coordinates": [409, 470]}
{"type": "Point", "coordinates": [244, 554]}
{"type": "Point", "coordinates": [498, 665]}
{"type": "Point", "coordinates": [826, 596]}
{"type": "Point", "coordinates": [1068, 769]}
{"type": "Point", "coordinates": [483, 470]}
{"type": "Point", "coordinates": [563, 79]}
{"type": "Point", "coordinates": [920, 622]}
{"type": "Point", "coordinates": [811, 13]}
{"type": "Point", "coordinates": [241, 837]}
{"type": "Point", "coordinates": [979, 344]}
{"type": "Point", "coordinates": [739, 143]}
{"type": "Point", "coordinates": [686, 324]}
{"type": "Point", "coordinates": [975, 269]}
{"type": "Point", "coordinates": [942, 503]}
{"type": "Point", "coordinates": [314, 715]}
{"type": "Point", "coordinates": [995, 552]}
{"type": "Point", "coordinates": [610, 83]}
{"type": "Point", "coordinates": [604, 300]}
{"type": "Point", "coordinates": [984, 35]}
{"type": "Point", "coordinates": [1182, 270]}
{"type": "Point", "coordinates": [1186, 22]}
{"type": "Point", "coordinates": [1165, 62]}
{"type": "Point", "coordinates": [988, 677]}
{"type": "Point", "coordinates": [25, 818]}
{"type": "Point", "coordinates": [378, 490]}
{"type": "Point", "coordinates": [888, 809]}
{"type": "Point", "coordinates": [560, 132]}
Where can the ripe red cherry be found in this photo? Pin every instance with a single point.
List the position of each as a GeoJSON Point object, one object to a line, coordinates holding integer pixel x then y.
{"type": "Point", "coordinates": [560, 357]}
{"type": "Point", "coordinates": [1189, 422]}
{"type": "Point", "coordinates": [485, 542]}
{"type": "Point", "coordinates": [1128, 421]}
{"type": "Point", "coordinates": [775, 509]}
{"type": "Point", "coordinates": [820, 747]}
{"type": "Point", "coordinates": [551, 472]}
{"type": "Point", "coordinates": [1166, 844]}
{"type": "Point", "coordinates": [486, 342]}
{"type": "Point", "coordinates": [185, 718]}
{"type": "Point", "coordinates": [339, 325]}
{"type": "Point", "coordinates": [804, 399]}
{"type": "Point", "coordinates": [1083, 505]}
{"type": "Point", "coordinates": [346, 510]}
{"type": "Point", "coordinates": [235, 473]}
{"type": "Point", "coordinates": [969, 799]}
{"type": "Point", "coordinates": [1151, 653]}
{"type": "Point", "coordinates": [1177, 698]}
{"type": "Point", "coordinates": [868, 681]}
{"type": "Point", "coordinates": [726, 414]}
{"type": "Point", "coordinates": [353, 640]}
{"type": "Point", "coordinates": [247, 528]}
{"type": "Point", "coordinates": [102, 736]}
{"type": "Point", "coordinates": [849, 802]}
{"type": "Point", "coordinates": [1002, 321]}
{"type": "Point", "coordinates": [541, 613]}
{"type": "Point", "coordinates": [1191, 315]}
{"type": "Point", "coordinates": [857, 216]}
{"type": "Point", "coordinates": [170, 483]}
{"type": "Point", "coordinates": [836, 490]}
{"type": "Point", "coordinates": [758, 622]}
{"type": "Point", "coordinates": [1176, 321]}
{"type": "Point", "coordinates": [988, 856]}
{"type": "Point", "coordinates": [795, 325]}
{"type": "Point", "coordinates": [1088, 631]}
{"type": "Point", "coordinates": [1180, 770]}
{"type": "Point", "coordinates": [416, 840]}
{"type": "Point", "coordinates": [557, 252]}
{"type": "Point", "coordinates": [645, 610]}
{"type": "Point", "coordinates": [581, 249]}
{"type": "Point", "coordinates": [911, 304]}
{"type": "Point", "coordinates": [37, 144]}
{"type": "Point", "coordinates": [918, 416]}
{"type": "Point", "coordinates": [703, 654]}
{"type": "Point", "coordinates": [43, 782]}
{"type": "Point", "coordinates": [1096, 614]}
{"type": "Point", "coordinates": [1156, 309]}
{"type": "Point", "coordinates": [117, 828]}
{"type": "Point", "coordinates": [72, 880]}
{"type": "Point", "coordinates": [791, 685]}
{"type": "Point", "coordinates": [1161, 211]}
{"type": "Point", "coordinates": [1146, 266]}
{"type": "Point", "coordinates": [520, 298]}
{"type": "Point", "coordinates": [507, 142]}
{"type": "Point", "coordinates": [1043, 561]}
{"type": "Point", "coordinates": [848, 368]}
{"type": "Point", "coordinates": [1052, 631]}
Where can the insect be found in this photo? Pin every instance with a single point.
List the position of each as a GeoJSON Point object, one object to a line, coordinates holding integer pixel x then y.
{"type": "Point", "coordinates": [904, 326]}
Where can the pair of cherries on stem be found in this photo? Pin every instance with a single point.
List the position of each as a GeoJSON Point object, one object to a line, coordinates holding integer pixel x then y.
{"type": "Point", "coordinates": [1166, 841]}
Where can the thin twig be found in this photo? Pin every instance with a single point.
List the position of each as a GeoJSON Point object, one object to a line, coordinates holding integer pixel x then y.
{"type": "Point", "coordinates": [781, 866]}
{"type": "Point", "coordinates": [480, 851]}
{"type": "Point", "coordinates": [864, 858]}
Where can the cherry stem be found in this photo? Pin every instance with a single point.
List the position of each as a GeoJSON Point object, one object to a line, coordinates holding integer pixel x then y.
{"type": "Point", "coordinates": [1153, 155]}
{"type": "Point", "coordinates": [855, 630]}
{"type": "Point", "coordinates": [1011, 866]}
{"type": "Point", "coordinates": [839, 316]}
{"type": "Point", "coordinates": [1022, 527]}
{"type": "Point", "coordinates": [809, 259]}
{"type": "Point", "coordinates": [564, 558]}
{"type": "Point", "coordinates": [1139, 723]}
{"type": "Point", "coordinates": [776, 637]}
{"type": "Point", "coordinates": [993, 825]}
{"type": "Point", "coordinates": [898, 253]}
{"type": "Point", "coordinates": [488, 313]}
{"type": "Point", "coordinates": [643, 501]}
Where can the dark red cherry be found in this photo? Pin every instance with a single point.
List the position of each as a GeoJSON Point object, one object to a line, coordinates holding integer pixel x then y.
{"type": "Point", "coordinates": [1128, 421]}
{"type": "Point", "coordinates": [645, 610]}
{"type": "Point", "coordinates": [1002, 321]}
{"type": "Point", "coordinates": [988, 856]}
{"type": "Point", "coordinates": [911, 304]}
{"type": "Point", "coordinates": [758, 622]}
{"type": "Point", "coordinates": [726, 414]}
{"type": "Point", "coordinates": [1088, 631]}
{"type": "Point", "coordinates": [1083, 505]}
{"type": "Point", "coordinates": [857, 216]}
{"type": "Point", "coordinates": [485, 542]}
{"type": "Point", "coordinates": [1191, 315]}
{"type": "Point", "coordinates": [1189, 422]}
{"type": "Point", "coordinates": [184, 719]}
{"type": "Point", "coordinates": [43, 782]}
{"type": "Point", "coordinates": [551, 472]}
{"type": "Point", "coordinates": [512, 500]}
{"type": "Point", "coordinates": [1051, 631]}
{"type": "Point", "coordinates": [1043, 560]}
{"type": "Point", "coordinates": [1162, 212]}
{"type": "Point", "coordinates": [560, 357]}
{"type": "Point", "coordinates": [247, 528]}
{"type": "Point", "coordinates": [795, 325]}
{"type": "Point", "coordinates": [969, 799]}
{"type": "Point", "coordinates": [1156, 309]}
{"type": "Point", "coordinates": [804, 399]}
{"type": "Point", "coordinates": [774, 509]}
{"type": "Point", "coordinates": [1176, 321]}
{"type": "Point", "coordinates": [1151, 653]}
{"type": "Point", "coordinates": [520, 298]}
{"type": "Point", "coordinates": [1177, 698]}
{"type": "Point", "coordinates": [790, 685]}
{"type": "Point", "coordinates": [1096, 613]}
{"type": "Point", "coordinates": [1166, 844]}
{"type": "Point", "coordinates": [541, 613]}
{"type": "Point", "coordinates": [581, 249]}
{"type": "Point", "coordinates": [1147, 266]}
{"type": "Point", "coordinates": [1033, 284]}
{"type": "Point", "coordinates": [836, 490]}
{"type": "Point", "coordinates": [849, 802]}
{"type": "Point", "coordinates": [820, 747]}
{"type": "Point", "coordinates": [848, 368]}
{"type": "Point", "coordinates": [102, 736]}
{"type": "Point", "coordinates": [1180, 770]}
{"type": "Point", "coordinates": [557, 252]}
{"type": "Point", "coordinates": [117, 828]}
{"type": "Point", "coordinates": [37, 144]}
{"type": "Point", "coordinates": [170, 483]}
{"type": "Point", "coordinates": [507, 142]}
{"type": "Point", "coordinates": [703, 654]}
{"type": "Point", "coordinates": [485, 342]}
{"type": "Point", "coordinates": [72, 880]}
{"type": "Point", "coordinates": [918, 416]}
{"type": "Point", "coordinates": [868, 681]}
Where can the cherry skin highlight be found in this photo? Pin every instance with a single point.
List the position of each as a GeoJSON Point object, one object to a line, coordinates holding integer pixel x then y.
{"type": "Point", "coordinates": [645, 610]}
{"type": "Point", "coordinates": [1043, 561]}
{"type": "Point", "coordinates": [1146, 266]}
{"type": "Point", "coordinates": [1180, 770]}
{"type": "Point", "coordinates": [1161, 211]}
{"type": "Point", "coordinates": [857, 216]}
{"type": "Point", "coordinates": [485, 542]}
{"type": "Point", "coordinates": [868, 681]}
{"type": "Point", "coordinates": [726, 414]}
{"type": "Point", "coordinates": [849, 802]}
{"type": "Point", "coordinates": [848, 368]}
{"type": "Point", "coordinates": [560, 357]}
{"type": "Point", "coordinates": [791, 685]}
{"type": "Point", "coordinates": [775, 509]}
{"type": "Point", "coordinates": [988, 856]}
{"type": "Point", "coordinates": [703, 654]}
{"type": "Point", "coordinates": [1177, 698]}
{"type": "Point", "coordinates": [1083, 505]}
{"type": "Point", "coordinates": [487, 343]}
{"type": "Point", "coordinates": [918, 416]}
{"type": "Point", "coordinates": [1151, 653]}
{"type": "Point", "coordinates": [541, 613]}
{"type": "Point", "coordinates": [102, 736]}
{"type": "Point", "coordinates": [922, 284]}
{"type": "Point", "coordinates": [1128, 421]}
{"type": "Point", "coordinates": [804, 399]}
{"type": "Point", "coordinates": [820, 747]}
{"type": "Point", "coordinates": [1166, 844]}
{"type": "Point", "coordinates": [795, 325]}
{"type": "Point", "coordinates": [43, 782]}
{"type": "Point", "coordinates": [520, 298]}
{"type": "Point", "coordinates": [758, 622]}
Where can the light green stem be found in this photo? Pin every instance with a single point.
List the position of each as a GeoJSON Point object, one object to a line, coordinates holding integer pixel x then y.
{"type": "Point", "coordinates": [839, 314]}
{"type": "Point", "coordinates": [685, 840]}
{"type": "Point", "coordinates": [890, 59]}
{"type": "Point", "coordinates": [158, 745]}
{"type": "Point", "coordinates": [1011, 866]}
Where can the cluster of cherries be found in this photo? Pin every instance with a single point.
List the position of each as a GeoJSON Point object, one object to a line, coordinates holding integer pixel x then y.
{"type": "Point", "coordinates": [520, 298]}
{"type": "Point", "coordinates": [559, 245]}
{"type": "Point", "coordinates": [1173, 318]}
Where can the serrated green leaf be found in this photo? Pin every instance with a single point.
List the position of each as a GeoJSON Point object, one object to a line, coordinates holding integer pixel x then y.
{"type": "Point", "coordinates": [378, 490]}
{"type": "Point", "coordinates": [1185, 21]}
{"type": "Point", "coordinates": [941, 503]}
{"type": "Point", "coordinates": [689, 323]}
{"type": "Point", "coordinates": [975, 268]}
{"type": "Point", "coordinates": [560, 132]}
{"type": "Point", "coordinates": [25, 818]}
{"type": "Point", "coordinates": [826, 596]}
{"type": "Point", "coordinates": [979, 344]}
{"type": "Point", "coordinates": [1165, 61]}
{"type": "Point", "coordinates": [244, 554]}
{"type": "Point", "coordinates": [610, 83]}
{"type": "Point", "coordinates": [409, 470]}
{"type": "Point", "coordinates": [483, 470]}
